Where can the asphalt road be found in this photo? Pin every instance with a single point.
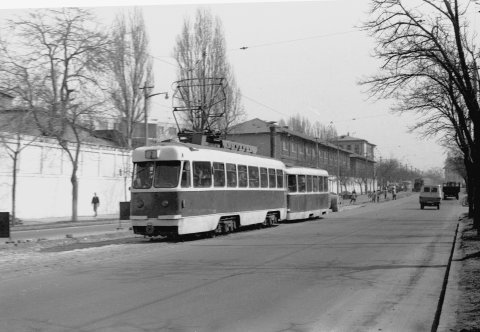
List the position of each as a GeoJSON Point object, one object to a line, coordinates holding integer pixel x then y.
{"type": "Point", "coordinates": [376, 268]}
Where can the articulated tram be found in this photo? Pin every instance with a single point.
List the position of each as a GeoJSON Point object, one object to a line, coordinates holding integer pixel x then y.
{"type": "Point", "coordinates": [180, 188]}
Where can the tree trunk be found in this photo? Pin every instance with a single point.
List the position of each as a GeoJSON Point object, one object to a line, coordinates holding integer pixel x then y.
{"type": "Point", "coordinates": [74, 181]}
{"type": "Point", "coordinates": [14, 187]}
{"type": "Point", "coordinates": [470, 190]}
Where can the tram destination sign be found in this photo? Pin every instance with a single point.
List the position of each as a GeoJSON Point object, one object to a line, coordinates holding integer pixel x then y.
{"type": "Point", "coordinates": [235, 146]}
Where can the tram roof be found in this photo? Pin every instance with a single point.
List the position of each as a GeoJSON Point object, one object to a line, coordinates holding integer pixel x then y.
{"type": "Point", "coordinates": [185, 151]}
{"type": "Point", "coordinates": [306, 171]}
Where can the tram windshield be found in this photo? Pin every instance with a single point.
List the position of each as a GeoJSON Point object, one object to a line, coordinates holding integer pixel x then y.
{"type": "Point", "coordinates": [167, 174]}
{"type": "Point", "coordinates": [162, 174]}
{"type": "Point", "coordinates": [143, 175]}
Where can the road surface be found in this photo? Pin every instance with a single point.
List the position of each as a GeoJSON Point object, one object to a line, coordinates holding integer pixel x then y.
{"type": "Point", "coordinates": [376, 268]}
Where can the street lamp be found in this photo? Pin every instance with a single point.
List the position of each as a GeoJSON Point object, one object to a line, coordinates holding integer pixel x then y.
{"type": "Point", "coordinates": [145, 110]}
{"type": "Point", "coordinates": [338, 161]}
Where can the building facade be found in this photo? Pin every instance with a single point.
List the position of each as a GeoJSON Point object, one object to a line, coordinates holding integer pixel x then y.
{"type": "Point", "coordinates": [295, 149]}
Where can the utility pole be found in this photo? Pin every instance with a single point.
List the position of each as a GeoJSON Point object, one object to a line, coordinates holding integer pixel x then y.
{"type": "Point", "coordinates": [145, 106]}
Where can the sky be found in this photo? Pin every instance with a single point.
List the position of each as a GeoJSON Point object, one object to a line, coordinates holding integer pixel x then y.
{"type": "Point", "coordinates": [303, 57]}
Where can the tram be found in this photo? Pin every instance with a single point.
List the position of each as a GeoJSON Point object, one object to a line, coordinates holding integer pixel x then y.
{"type": "Point", "coordinates": [182, 188]}
{"type": "Point", "coordinates": [308, 195]}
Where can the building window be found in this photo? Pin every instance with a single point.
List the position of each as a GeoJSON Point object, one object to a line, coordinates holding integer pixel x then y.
{"type": "Point", "coordinates": [349, 147]}
{"type": "Point", "coordinates": [293, 147]}
{"type": "Point", "coordinates": [285, 144]}
{"type": "Point", "coordinates": [357, 149]}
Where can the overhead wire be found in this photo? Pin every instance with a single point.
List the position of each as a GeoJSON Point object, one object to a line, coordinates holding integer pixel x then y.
{"type": "Point", "coordinates": [159, 58]}
{"type": "Point", "coordinates": [293, 40]}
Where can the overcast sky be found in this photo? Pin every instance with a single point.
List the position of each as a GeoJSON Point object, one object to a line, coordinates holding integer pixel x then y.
{"type": "Point", "coordinates": [302, 58]}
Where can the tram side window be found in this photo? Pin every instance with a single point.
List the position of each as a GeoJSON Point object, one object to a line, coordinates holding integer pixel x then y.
{"type": "Point", "coordinates": [242, 176]}
{"type": "Point", "coordinates": [231, 175]}
{"type": "Point", "coordinates": [279, 178]}
{"type": "Point", "coordinates": [301, 184]}
{"type": "Point", "coordinates": [186, 177]}
{"type": "Point", "coordinates": [292, 183]}
{"type": "Point", "coordinates": [315, 184]}
{"type": "Point", "coordinates": [325, 184]}
{"type": "Point", "coordinates": [271, 178]}
{"type": "Point", "coordinates": [202, 174]}
{"type": "Point", "coordinates": [143, 175]}
{"type": "Point", "coordinates": [218, 175]}
{"type": "Point", "coordinates": [263, 177]}
{"type": "Point", "coordinates": [253, 178]}
{"type": "Point", "coordinates": [309, 183]}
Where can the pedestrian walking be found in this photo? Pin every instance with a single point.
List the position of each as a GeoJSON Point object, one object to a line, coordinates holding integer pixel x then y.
{"type": "Point", "coordinates": [353, 197]}
{"type": "Point", "coordinates": [95, 203]}
{"type": "Point", "coordinates": [385, 193]}
{"type": "Point", "coordinates": [374, 196]}
{"type": "Point", "coordinates": [394, 193]}
{"type": "Point", "coordinates": [378, 195]}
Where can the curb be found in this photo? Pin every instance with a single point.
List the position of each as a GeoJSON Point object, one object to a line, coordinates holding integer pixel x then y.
{"type": "Point", "coordinates": [63, 224]}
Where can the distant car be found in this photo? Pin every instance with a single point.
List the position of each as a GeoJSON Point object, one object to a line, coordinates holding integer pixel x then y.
{"type": "Point", "coordinates": [430, 195]}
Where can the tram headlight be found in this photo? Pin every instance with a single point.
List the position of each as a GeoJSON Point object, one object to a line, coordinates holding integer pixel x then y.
{"type": "Point", "coordinates": [165, 203]}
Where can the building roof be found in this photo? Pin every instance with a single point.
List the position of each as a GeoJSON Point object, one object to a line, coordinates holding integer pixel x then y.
{"type": "Point", "coordinates": [348, 138]}
{"type": "Point", "coordinates": [4, 94]}
{"type": "Point", "coordinates": [18, 120]}
{"type": "Point", "coordinates": [254, 126]}
{"type": "Point", "coordinates": [258, 126]}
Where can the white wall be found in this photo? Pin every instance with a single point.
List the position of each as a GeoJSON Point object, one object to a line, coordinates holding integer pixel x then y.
{"type": "Point", "coordinates": [43, 180]}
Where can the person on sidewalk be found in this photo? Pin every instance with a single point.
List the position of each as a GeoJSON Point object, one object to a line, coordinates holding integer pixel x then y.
{"type": "Point", "coordinates": [353, 197]}
{"type": "Point", "coordinates": [95, 203]}
{"type": "Point", "coordinates": [394, 193]}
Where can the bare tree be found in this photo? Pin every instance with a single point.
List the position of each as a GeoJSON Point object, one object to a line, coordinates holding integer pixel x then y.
{"type": "Point", "coordinates": [303, 125]}
{"type": "Point", "coordinates": [206, 91]}
{"type": "Point", "coordinates": [54, 63]}
{"type": "Point", "coordinates": [235, 112]}
{"type": "Point", "coordinates": [430, 63]}
{"type": "Point", "coordinates": [131, 66]}
{"type": "Point", "coordinates": [17, 131]}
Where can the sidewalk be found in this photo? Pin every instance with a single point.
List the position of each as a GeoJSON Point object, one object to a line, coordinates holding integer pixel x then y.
{"type": "Point", "coordinates": [364, 199]}
{"type": "Point", "coordinates": [59, 222]}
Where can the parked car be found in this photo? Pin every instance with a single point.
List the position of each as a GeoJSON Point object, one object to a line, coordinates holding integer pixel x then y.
{"type": "Point", "coordinates": [430, 195]}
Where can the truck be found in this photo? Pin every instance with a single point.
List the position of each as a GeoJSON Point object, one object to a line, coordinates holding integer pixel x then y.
{"type": "Point", "coordinates": [451, 189]}
{"type": "Point", "coordinates": [417, 184]}
{"type": "Point", "coordinates": [430, 195]}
